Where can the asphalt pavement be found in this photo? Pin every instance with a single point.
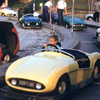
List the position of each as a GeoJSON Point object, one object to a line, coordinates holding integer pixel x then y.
{"type": "Point", "coordinates": [88, 44]}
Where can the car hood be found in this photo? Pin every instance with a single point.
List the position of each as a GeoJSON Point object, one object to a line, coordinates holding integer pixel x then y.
{"type": "Point", "coordinates": [9, 11]}
{"type": "Point", "coordinates": [76, 20]}
{"type": "Point", "coordinates": [31, 19]}
{"type": "Point", "coordinates": [37, 67]}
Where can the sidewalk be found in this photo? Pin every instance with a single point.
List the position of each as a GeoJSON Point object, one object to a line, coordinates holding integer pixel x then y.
{"type": "Point", "coordinates": [92, 24]}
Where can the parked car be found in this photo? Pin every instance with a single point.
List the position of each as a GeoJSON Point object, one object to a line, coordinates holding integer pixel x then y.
{"type": "Point", "coordinates": [30, 21]}
{"type": "Point", "coordinates": [78, 23]}
{"type": "Point", "coordinates": [53, 71]}
{"type": "Point", "coordinates": [98, 36]}
{"type": "Point", "coordinates": [6, 11]}
{"type": "Point", "coordinates": [89, 17]}
{"type": "Point", "coordinates": [9, 41]}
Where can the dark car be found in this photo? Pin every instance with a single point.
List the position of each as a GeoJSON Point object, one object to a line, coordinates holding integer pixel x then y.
{"type": "Point", "coordinates": [30, 21]}
{"type": "Point", "coordinates": [78, 23]}
{"type": "Point", "coordinates": [9, 41]}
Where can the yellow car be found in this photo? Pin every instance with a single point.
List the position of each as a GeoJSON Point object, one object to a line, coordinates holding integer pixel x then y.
{"type": "Point", "coordinates": [53, 71]}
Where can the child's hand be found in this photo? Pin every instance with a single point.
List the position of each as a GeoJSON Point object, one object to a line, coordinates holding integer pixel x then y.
{"type": "Point", "coordinates": [45, 45]}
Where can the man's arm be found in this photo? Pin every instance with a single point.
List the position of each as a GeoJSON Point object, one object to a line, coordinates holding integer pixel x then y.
{"type": "Point", "coordinates": [65, 9]}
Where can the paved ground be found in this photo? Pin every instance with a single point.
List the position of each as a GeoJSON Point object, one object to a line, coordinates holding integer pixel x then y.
{"type": "Point", "coordinates": [88, 44]}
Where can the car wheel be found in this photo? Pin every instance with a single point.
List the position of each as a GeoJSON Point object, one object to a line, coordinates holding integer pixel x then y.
{"type": "Point", "coordinates": [96, 73]}
{"type": "Point", "coordinates": [90, 19]}
{"type": "Point", "coordinates": [6, 57]}
{"type": "Point", "coordinates": [63, 86]}
{"type": "Point", "coordinates": [2, 14]}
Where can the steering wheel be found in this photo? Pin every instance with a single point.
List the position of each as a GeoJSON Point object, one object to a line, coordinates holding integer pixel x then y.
{"type": "Point", "coordinates": [50, 46]}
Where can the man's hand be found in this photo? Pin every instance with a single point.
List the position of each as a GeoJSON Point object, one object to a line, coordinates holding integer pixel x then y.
{"type": "Point", "coordinates": [67, 14]}
{"type": "Point", "coordinates": [45, 45]}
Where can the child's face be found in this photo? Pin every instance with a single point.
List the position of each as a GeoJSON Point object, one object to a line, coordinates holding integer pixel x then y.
{"type": "Point", "coordinates": [52, 41]}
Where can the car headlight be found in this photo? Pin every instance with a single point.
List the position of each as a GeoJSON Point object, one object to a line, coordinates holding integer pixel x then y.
{"type": "Point", "coordinates": [28, 24]}
{"type": "Point", "coordinates": [82, 25]}
{"type": "Point", "coordinates": [14, 82]}
{"type": "Point", "coordinates": [38, 86]}
{"type": "Point", "coordinates": [37, 24]}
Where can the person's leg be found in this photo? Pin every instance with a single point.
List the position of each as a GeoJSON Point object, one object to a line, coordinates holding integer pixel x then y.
{"type": "Point", "coordinates": [97, 16]}
{"type": "Point", "coordinates": [44, 14]}
{"type": "Point", "coordinates": [94, 17]}
{"type": "Point", "coordinates": [47, 14]}
{"type": "Point", "coordinates": [60, 16]}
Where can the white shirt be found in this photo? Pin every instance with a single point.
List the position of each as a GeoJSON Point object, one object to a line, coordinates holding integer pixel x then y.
{"type": "Point", "coordinates": [48, 4]}
{"type": "Point", "coordinates": [61, 4]}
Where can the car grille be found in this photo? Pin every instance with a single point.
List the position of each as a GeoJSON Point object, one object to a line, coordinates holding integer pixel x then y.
{"type": "Point", "coordinates": [33, 23]}
{"type": "Point", "coordinates": [26, 83]}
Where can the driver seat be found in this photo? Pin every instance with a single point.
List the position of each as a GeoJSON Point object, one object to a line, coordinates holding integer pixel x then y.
{"type": "Point", "coordinates": [59, 44]}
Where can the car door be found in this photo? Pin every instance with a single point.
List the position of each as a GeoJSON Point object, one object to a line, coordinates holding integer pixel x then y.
{"type": "Point", "coordinates": [84, 72]}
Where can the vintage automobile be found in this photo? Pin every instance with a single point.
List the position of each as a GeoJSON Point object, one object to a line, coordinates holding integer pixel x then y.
{"type": "Point", "coordinates": [9, 41]}
{"type": "Point", "coordinates": [6, 11]}
{"type": "Point", "coordinates": [30, 21]}
{"type": "Point", "coordinates": [53, 71]}
{"type": "Point", "coordinates": [89, 17]}
{"type": "Point", "coordinates": [79, 23]}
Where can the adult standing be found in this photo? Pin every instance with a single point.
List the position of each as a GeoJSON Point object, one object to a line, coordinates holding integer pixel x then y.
{"type": "Point", "coordinates": [48, 5]}
{"type": "Point", "coordinates": [97, 11]}
{"type": "Point", "coordinates": [61, 6]}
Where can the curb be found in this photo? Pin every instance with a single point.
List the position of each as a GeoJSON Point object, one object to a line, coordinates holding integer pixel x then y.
{"type": "Point", "coordinates": [92, 24]}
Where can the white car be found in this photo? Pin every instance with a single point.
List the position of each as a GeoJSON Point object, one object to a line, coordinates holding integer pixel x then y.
{"type": "Point", "coordinates": [8, 12]}
{"type": "Point", "coordinates": [89, 17]}
{"type": "Point", "coordinates": [98, 35]}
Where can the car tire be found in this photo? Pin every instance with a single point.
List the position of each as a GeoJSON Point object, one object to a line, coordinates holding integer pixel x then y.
{"type": "Point", "coordinates": [63, 85]}
{"type": "Point", "coordinates": [90, 18]}
{"type": "Point", "coordinates": [96, 72]}
{"type": "Point", "coordinates": [2, 14]}
{"type": "Point", "coordinates": [6, 56]}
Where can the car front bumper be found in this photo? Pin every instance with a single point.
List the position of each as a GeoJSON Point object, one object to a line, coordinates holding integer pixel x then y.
{"type": "Point", "coordinates": [79, 27]}
{"type": "Point", "coordinates": [6, 91]}
{"type": "Point", "coordinates": [32, 26]}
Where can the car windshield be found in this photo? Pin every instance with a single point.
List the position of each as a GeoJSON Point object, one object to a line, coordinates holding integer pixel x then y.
{"type": "Point", "coordinates": [53, 49]}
